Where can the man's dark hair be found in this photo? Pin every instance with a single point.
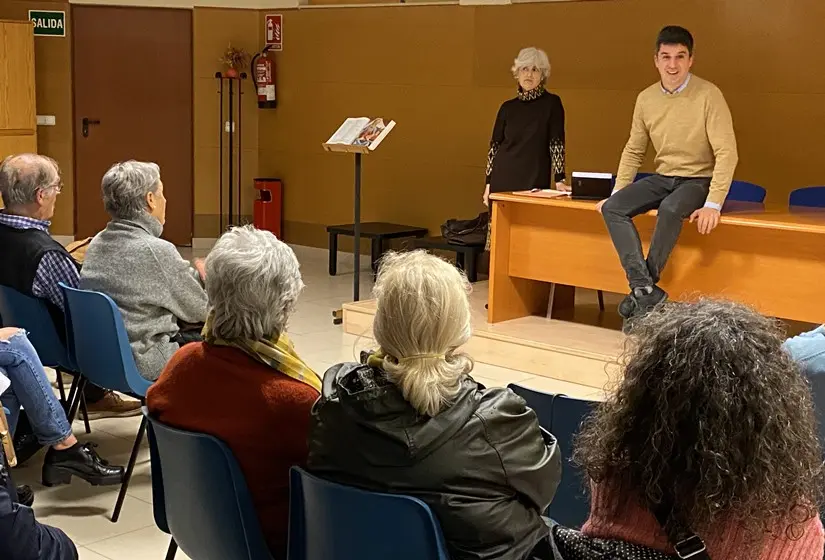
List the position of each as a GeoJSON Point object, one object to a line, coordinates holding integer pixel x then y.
{"type": "Point", "coordinates": [675, 35]}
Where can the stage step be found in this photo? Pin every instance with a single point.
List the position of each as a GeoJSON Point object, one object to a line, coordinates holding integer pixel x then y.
{"type": "Point", "coordinates": [573, 352]}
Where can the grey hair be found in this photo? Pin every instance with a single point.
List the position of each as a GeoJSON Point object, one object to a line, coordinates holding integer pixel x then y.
{"type": "Point", "coordinates": [529, 57]}
{"type": "Point", "coordinates": [253, 282]}
{"type": "Point", "coordinates": [23, 176]}
{"type": "Point", "coordinates": [125, 187]}
{"type": "Point", "coordinates": [422, 318]}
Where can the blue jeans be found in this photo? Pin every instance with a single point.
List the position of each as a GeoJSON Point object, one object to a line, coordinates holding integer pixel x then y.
{"type": "Point", "coordinates": [808, 350]}
{"type": "Point", "coordinates": [30, 388]}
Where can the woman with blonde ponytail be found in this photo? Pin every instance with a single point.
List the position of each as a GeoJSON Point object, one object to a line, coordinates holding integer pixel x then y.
{"type": "Point", "coordinates": [411, 420]}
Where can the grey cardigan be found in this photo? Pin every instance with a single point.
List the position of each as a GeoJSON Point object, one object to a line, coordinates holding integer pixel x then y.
{"type": "Point", "coordinates": [150, 282]}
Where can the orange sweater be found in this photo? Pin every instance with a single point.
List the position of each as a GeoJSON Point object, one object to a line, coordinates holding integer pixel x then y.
{"type": "Point", "coordinates": [636, 524]}
{"type": "Point", "coordinates": [261, 414]}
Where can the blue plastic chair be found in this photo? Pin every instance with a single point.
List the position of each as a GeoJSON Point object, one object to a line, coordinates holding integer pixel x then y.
{"type": "Point", "coordinates": [158, 495]}
{"type": "Point", "coordinates": [742, 191]}
{"type": "Point", "coordinates": [811, 197]}
{"type": "Point", "coordinates": [32, 314]}
{"type": "Point", "coordinates": [571, 505]}
{"type": "Point", "coordinates": [102, 350]}
{"type": "Point", "coordinates": [330, 521]}
{"type": "Point", "coordinates": [562, 416]}
{"type": "Point", "coordinates": [539, 401]}
{"type": "Point", "coordinates": [209, 509]}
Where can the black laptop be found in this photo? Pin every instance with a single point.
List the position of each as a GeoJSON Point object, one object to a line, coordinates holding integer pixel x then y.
{"type": "Point", "coordinates": [591, 186]}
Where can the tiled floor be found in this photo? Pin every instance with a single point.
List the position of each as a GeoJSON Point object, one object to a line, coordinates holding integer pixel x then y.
{"type": "Point", "coordinates": [84, 511]}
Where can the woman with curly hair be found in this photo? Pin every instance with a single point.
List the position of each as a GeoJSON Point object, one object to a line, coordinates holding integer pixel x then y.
{"type": "Point", "coordinates": [711, 431]}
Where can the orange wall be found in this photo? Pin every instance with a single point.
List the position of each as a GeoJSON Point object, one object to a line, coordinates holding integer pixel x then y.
{"type": "Point", "coordinates": [442, 71]}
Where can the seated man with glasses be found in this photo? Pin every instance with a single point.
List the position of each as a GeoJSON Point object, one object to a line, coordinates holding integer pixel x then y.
{"type": "Point", "coordinates": [33, 262]}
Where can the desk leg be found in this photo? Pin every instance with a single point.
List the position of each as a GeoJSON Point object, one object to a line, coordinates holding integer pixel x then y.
{"type": "Point", "coordinates": [333, 253]}
{"type": "Point", "coordinates": [510, 298]}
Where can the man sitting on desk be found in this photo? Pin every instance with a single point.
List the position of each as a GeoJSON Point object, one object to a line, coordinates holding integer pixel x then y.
{"type": "Point", "coordinates": [689, 123]}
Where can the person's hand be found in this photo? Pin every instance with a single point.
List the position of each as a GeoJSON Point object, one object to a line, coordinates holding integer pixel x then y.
{"type": "Point", "coordinates": [201, 268]}
{"type": "Point", "coordinates": [562, 186]}
{"type": "Point", "coordinates": [8, 332]}
{"type": "Point", "coordinates": [706, 219]}
{"type": "Point", "coordinates": [485, 198]}
{"type": "Point", "coordinates": [599, 205]}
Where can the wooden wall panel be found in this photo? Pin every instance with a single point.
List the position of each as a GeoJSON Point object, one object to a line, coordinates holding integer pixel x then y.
{"type": "Point", "coordinates": [52, 63]}
{"type": "Point", "coordinates": [17, 110]}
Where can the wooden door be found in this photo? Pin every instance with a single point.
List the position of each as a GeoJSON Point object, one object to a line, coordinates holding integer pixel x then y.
{"type": "Point", "coordinates": [18, 132]}
{"type": "Point", "coordinates": [133, 84]}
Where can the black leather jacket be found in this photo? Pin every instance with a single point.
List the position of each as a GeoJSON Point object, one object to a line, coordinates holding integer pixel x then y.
{"type": "Point", "coordinates": [482, 465]}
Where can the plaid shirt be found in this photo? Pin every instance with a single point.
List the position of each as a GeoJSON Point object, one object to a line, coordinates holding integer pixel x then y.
{"type": "Point", "coordinates": [54, 267]}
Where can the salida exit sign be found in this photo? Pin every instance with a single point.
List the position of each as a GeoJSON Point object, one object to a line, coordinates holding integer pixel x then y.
{"type": "Point", "coordinates": [48, 23]}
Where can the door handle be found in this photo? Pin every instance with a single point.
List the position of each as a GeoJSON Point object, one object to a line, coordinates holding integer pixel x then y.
{"type": "Point", "coordinates": [85, 128]}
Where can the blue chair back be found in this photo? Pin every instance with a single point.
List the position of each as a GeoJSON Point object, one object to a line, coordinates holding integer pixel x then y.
{"type": "Point", "coordinates": [209, 510]}
{"type": "Point", "coordinates": [101, 345]}
{"type": "Point", "coordinates": [742, 191]}
{"type": "Point", "coordinates": [32, 314]}
{"type": "Point", "coordinates": [329, 521]}
{"type": "Point", "coordinates": [562, 416]}
{"type": "Point", "coordinates": [571, 505]}
{"type": "Point", "coordinates": [812, 197]}
{"type": "Point", "coordinates": [158, 497]}
{"type": "Point", "coordinates": [641, 175]}
{"type": "Point", "coordinates": [539, 401]}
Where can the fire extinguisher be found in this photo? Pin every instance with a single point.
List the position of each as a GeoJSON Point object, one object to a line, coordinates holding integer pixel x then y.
{"type": "Point", "coordinates": [263, 72]}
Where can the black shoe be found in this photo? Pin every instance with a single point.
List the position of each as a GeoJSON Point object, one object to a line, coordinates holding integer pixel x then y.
{"type": "Point", "coordinates": [81, 461]}
{"type": "Point", "coordinates": [627, 307]}
{"type": "Point", "coordinates": [647, 301]}
{"type": "Point", "coordinates": [25, 495]}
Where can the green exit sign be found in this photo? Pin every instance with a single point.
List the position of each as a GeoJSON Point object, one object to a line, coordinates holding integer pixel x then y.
{"type": "Point", "coordinates": [49, 23]}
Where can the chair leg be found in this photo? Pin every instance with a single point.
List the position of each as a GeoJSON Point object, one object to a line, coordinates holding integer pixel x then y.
{"type": "Point", "coordinates": [128, 474]}
{"type": "Point", "coordinates": [85, 412]}
{"type": "Point", "coordinates": [173, 548]}
{"type": "Point", "coordinates": [60, 389]}
{"type": "Point", "coordinates": [601, 300]}
{"type": "Point", "coordinates": [78, 385]}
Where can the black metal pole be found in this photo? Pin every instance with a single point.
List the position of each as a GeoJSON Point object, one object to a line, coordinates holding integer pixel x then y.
{"type": "Point", "coordinates": [231, 150]}
{"type": "Point", "coordinates": [240, 151]}
{"type": "Point", "coordinates": [219, 76]}
{"type": "Point", "coordinates": [356, 283]}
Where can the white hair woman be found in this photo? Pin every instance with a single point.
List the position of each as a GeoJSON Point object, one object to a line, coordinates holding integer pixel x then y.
{"type": "Point", "coordinates": [159, 293]}
{"type": "Point", "coordinates": [527, 145]}
{"type": "Point", "coordinates": [411, 420]}
{"type": "Point", "coordinates": [244, 384]}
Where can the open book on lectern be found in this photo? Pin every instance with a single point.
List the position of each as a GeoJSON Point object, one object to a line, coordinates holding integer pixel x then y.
{"type": "Point", "coordinates": [359, 134]}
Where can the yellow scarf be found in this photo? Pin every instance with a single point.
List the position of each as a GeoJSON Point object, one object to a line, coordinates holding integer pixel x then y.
{"type": "Point", "coordinates": [278, 354]}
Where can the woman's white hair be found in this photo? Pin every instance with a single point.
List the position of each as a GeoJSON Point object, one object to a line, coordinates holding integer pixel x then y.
{"type": "Point", "coordinates": [423, 316]}
{"type": "Point", "coordinates": [253, 282]}
{"type": "Point", "coordinates": [530, 57]}
{"type": "Point", "coordinates": [125, 186]}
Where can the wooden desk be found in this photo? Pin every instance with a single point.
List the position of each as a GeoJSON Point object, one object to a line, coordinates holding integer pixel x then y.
{"type": "Point", "coordinates": [772, 258]}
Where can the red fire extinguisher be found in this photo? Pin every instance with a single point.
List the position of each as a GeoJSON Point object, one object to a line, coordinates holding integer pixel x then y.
{"type": "Point", "coordinates": [263, 72]}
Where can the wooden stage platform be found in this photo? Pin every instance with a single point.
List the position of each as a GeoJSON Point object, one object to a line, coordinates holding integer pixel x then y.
{"type": "Point", "coordinates": [583, 350]}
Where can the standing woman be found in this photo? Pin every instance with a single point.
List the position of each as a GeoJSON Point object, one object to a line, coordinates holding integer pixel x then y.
{"type": "Point", "coordinates": [527, 147]}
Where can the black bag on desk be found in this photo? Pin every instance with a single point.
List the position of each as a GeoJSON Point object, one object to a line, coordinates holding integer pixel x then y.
{"type": "Point", "coordinates": [466, 232]}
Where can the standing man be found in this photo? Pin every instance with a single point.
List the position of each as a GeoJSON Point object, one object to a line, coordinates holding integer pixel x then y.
{"type": "Point", "coordinates": [689, 123]}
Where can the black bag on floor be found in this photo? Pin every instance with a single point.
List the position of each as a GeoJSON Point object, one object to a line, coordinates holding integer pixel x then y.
{"type": "Point", "coordinates": [466, 233]}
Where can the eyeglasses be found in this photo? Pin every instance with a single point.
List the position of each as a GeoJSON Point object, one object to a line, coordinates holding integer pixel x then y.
{"type": "Point", "coordinates": [58, 186]}
{"type": "Point", "coordinates": [532, 70]}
